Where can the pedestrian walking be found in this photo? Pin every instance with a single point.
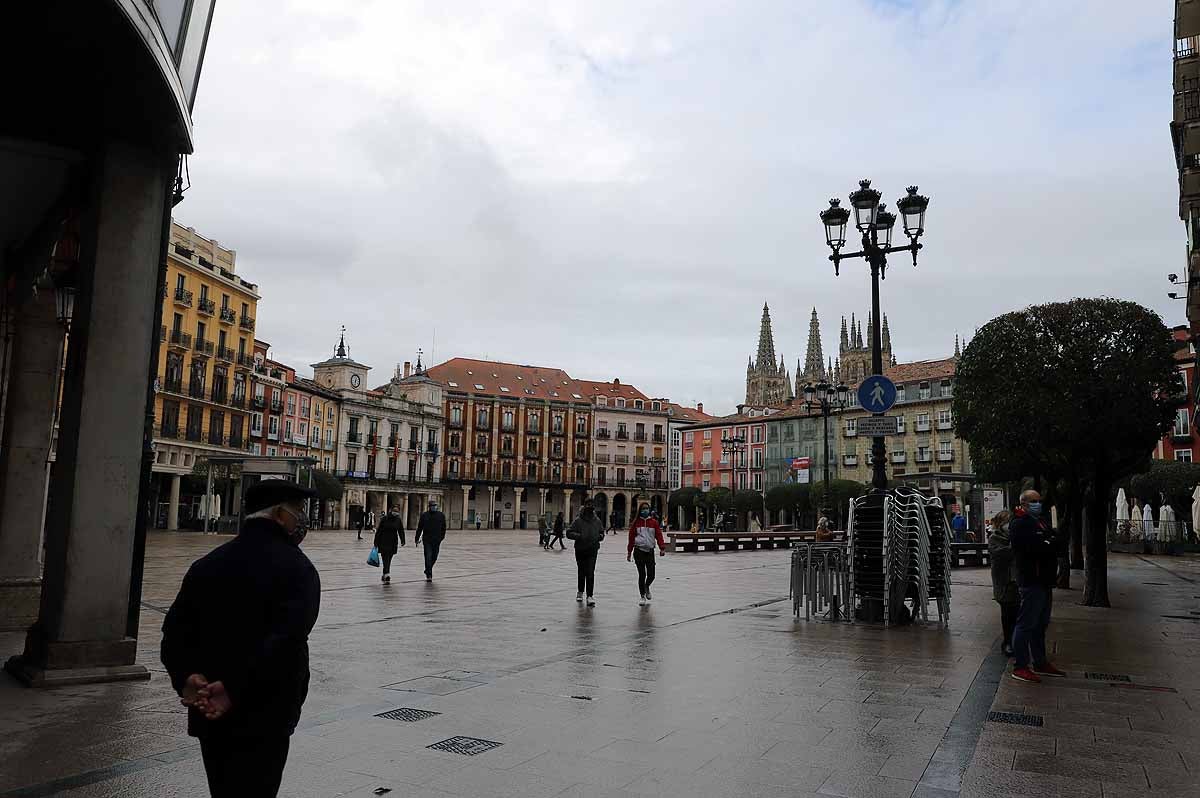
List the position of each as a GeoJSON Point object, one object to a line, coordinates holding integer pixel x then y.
{"type": "Point", "coordinates": [362, 522]}
{"type": "Point", "coordinates": [433, 526]}
{"type": "Point", "coordinates": [387, 539]}
{"type": "Point", "coordinates": [1004, 578]}
{"type": "Point", "coordinates": [958, 525]}
{"type": "Point", "coordinates": [558, 533]}
{"type": "Point", "coordinates": [644, 533]}
{"type": "Point", "coordinates": [587, 531]}
{"type": "Point", "coordinates": [1035, 552]}
{"type": "Point", "coordinates": [235, 642]}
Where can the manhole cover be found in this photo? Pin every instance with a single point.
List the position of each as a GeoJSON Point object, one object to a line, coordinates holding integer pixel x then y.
{"type": "Point", "coordinates": [1107, 677]}
{"type": "Point", "coordinates": [1015, 718]}
{"type": "Point", "coordinates": [467, 746]}
{"type": "Point", "coordinates": [407, 714]}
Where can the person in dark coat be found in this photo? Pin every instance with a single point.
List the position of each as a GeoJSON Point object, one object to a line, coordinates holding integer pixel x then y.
{"type": "Point", "coordinates": [587, 531]}
{"type": "Point", "coordinates": [362, 522]}
{"type": "Point", "coordinates": [1004, 577]}
{"type": "Point", "coordinates": [1035, 552]}
{"type": "Point", "coordinates": [433, 526]}
{"type": "Point", "coordinates": [388, 538]}
{"type": "Point", "coordinates": [235, 642]}
{"type": "Point", "coordinates": [559, 528]}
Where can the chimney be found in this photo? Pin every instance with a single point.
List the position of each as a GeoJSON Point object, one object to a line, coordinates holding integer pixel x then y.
{"type": "Point", "coordinates": [407, 369]}
{"type": "Point", "coordinates": [700, 407]}
{"type": "Point", "coordinates": [616, 381]}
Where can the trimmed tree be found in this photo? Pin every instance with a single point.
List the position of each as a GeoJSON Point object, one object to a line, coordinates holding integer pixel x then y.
{"type": "Point", "coordinates": [687, 499]}
{"type": "Point", "coordinates": [1078, 390]}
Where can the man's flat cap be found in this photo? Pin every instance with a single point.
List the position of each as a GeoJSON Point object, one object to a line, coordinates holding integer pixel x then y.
{"type": "Point", "coordinates": [270, 492]}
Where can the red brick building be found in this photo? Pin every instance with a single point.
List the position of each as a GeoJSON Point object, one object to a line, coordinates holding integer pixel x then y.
{"type": "Point", "coordinates": [706, 466]}
{"type": "Point", "coordinates": [1181, 443]}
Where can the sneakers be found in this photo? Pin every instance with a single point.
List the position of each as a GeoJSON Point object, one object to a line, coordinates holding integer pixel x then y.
{"type": "Point", "coordinates": [579, 597]}
{"type": "Point", "coordinates": [1048, 669]}
{"type": "Point", "coordinates": [591, 602]}
{"type": "Point", "coordinates": [647, 596]}
{"type": "Point", "coordinates": [428, 577]}
{"type": "Point", "coordinates": [386, 578]}
{"type": "Point", "coordinates": [642, 602]}
{"type": "Point", "coordinates": [1026, 675]}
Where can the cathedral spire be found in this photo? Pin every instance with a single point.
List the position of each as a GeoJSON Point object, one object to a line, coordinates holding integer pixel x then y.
{"type": "Point", "coordinates": [845, 340]}
{"type": "Point", "coordinates": [870, 329]}
{"type": "Point", "coordinates": [957, 348]}
{"type": "Point", "coordinates": [766, 341]}
{"type": "Point", "coordinates": [887, 334]}
{"type": "Point", "coordinates": [814, 360]}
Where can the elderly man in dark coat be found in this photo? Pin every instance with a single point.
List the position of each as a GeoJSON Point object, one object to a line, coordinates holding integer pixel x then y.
{"type": "Point", "coordinates": [235, 642]}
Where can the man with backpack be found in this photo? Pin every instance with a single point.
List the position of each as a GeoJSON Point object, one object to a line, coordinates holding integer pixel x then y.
{"type": "Point", "coordinates": [644, 533]}
{"type": "Point", "coordinates": [587, 531]}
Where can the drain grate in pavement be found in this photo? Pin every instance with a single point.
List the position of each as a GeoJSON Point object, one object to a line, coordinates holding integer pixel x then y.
{"type": "Point", "coordinates": [1015, 718]}
{"type": "Point", "coordinates": [1159, 584]}
{"type": "Point", "coordinates": [1107, 677]}
{"type": "Point", "coordinates": [467, 746]}
{"type": "Point", "coordinates": [407, 714]}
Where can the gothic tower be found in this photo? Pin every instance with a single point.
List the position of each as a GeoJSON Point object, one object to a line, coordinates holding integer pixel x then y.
{"type": "Point", "coordinates": [767, 381]}
{"type": "Point", "coordinates": [814, 360]}
{"type": "Point", "coordinates": [854, 354]}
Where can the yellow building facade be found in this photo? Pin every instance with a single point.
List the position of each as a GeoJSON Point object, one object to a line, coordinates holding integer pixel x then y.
{"type": "Point", "coordinates": [206, 358]}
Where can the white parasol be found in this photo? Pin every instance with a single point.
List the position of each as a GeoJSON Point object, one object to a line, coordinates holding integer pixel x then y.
{"type": "Point", "coordinates": [1166, 522]}
{"type": "Point", "coordinates": [1196, 509]}
{"type": "Point", "coordinates": [1123, 505]}
{"type": "Point", "coordinates": [1148, 521]}
{"type": "Point", "coordinates": [1135, 522]}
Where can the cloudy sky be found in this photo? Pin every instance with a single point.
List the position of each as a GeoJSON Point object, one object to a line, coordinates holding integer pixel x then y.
{"type": "Point", "coordinates": [616, 188]}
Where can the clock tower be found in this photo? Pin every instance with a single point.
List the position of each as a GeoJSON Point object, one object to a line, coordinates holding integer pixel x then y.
{"type": "Point", "coordinates": [341, 372]}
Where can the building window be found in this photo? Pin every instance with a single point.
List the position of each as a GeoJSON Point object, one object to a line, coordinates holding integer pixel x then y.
{"type": "Point", "coordinates": [924, 391]}
{"type": "Point", "coordinates": [601, 401]}
{"type": "Point", "coordinates": [945, 419]}
{"type": "Point", "coordinates": [899, 393]}
{"type": "Point", "coordinates": [708, 436]}
{"type": "Point", "coordinates": [1183, 455]}
{"type": "Point", "coordinates": [329, 415]}
{"type": "Point", "coordinates": [620, 402]}
{"type": "Point", "coordinates": [900, 425]}
{"type": "Point", "coordinates": [1182, 424]}
{"type": "Point", "coordinates": [287, 430]}
{"type": "Point", "coordinates": [706, 458]}
{"type": "Point", "coordinates": [533, 423]}
{"type": "Point", "coordinates": [687, 458]}
{"type": "Point", "coordinates": [507, 420]}
{"type": "Point", "coordinates": [851, 427]}
{"type": "Point", "coordinates": [581, 425]}
{"type": "Point", "coordinates": [481, 418]}
{"type": "Point", "coordinates": [352, 462]}
{"type": "Point", "coordinates": [637, 404]}
{"type": "Point", "coordinates": [329, 437]}
{"type": "Point", "coordinates": [922, 422]}
{"type": "Point", "coordinates": [707, 483]}
{"type": "Point", "coordinates": [456, 414]}
{"type": "Point", "coordinates": [256, 423]}
{"type": "Point", "coordinates": [758, 436]}
{"type": "Point", "coordinates": [688, 437]}
{"type": "Point", "coordinates": [271, 451]}
{"type": "Point", "coordinates": [757, 459]}
{"type": "Point", "coordinates": [273, 427]}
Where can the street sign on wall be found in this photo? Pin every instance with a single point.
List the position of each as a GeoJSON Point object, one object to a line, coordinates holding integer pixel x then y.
{"type": "Point", "coordinates": [877, 394]}
{"type": "Point", "coordinates": [801, 469]}
{"type": "Point", "coordinates": [877, 426]}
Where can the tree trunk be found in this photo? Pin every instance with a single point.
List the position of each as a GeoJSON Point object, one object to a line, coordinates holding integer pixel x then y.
{"type": "Point", "coordinates": [1067, 523]}
{"type": "Point", "coordinates": [1081, 516]}
{"type": "Point", "coordinates": [1095, 591]}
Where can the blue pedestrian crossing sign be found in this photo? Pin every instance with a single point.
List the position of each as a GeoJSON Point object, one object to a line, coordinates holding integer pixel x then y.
{"type": "Point", "coordinates": [877, 394]}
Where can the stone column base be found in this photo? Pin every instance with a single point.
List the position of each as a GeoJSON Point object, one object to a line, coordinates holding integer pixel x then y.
{"type": "Point", "coordinates": [32, 675]}
{"type": "Point", "coordinates": [20, 601]}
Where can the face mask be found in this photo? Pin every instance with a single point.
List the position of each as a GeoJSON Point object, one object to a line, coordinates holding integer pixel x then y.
{"type": "Point", "coordinates": [589, 510]}
{"type": "Point", "coordinates": [300, 531]}
{"type": "Point", "coordinates": [644, 513]}
{"type": "Point", "coordinates": [1034, 508]}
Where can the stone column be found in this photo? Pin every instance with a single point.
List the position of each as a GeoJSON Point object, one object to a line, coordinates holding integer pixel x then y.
{"type": "Point", "coordinates": [466, 490]}
{"type": "Point", "coordinates": [173, 504]}
{"type": "Point", "coordinates": [567, 504]}
{"type": "Point", "coordinates": [519, 497]}
{"type": "Point", "coordinates": [81, 633]}
{"type": "Point", "coordinates": [25, 456]}
{"type": "Point", "coordinates": [544, 491]}
{"type": "Point", "coordinates": [491, 519]}
{"type": "Point", "coordinates": [404, 509]}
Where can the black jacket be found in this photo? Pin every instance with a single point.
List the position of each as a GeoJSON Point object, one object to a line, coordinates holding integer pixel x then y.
{"type": "Point", "coordinates": [242, 617]}
{"type": "Point", "coordinates": [1035, 551]}
{"type": "Point", "coordinates": [387, 536]}
{"type": "Point", "coordinates": [558, 525]}
{"type": "Point", "coordinates": [433, 526]}
{"type": "Point", "coordinates": [588, 532]}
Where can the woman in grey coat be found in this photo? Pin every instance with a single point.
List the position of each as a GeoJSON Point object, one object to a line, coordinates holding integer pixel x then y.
{"type": "Point", "coordinates": [1004, 577]}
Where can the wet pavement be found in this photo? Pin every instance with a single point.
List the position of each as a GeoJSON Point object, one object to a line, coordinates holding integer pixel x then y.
{"type": "Point", "coordinates": [713, 690]}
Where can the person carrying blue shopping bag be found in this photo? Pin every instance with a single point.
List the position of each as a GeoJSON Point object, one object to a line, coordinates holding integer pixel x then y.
{"type": "Point", "coordinates": [373, 558]}
{"type": "Point", "coordinates": [387, 540]}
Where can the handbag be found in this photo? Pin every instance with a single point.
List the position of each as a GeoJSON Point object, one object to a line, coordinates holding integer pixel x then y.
{"type": "Point", "coordinates": [373, 557]}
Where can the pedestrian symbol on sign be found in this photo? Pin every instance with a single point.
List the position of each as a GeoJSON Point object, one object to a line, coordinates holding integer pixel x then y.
{"type": "Point", "coordinates": [877, 394]}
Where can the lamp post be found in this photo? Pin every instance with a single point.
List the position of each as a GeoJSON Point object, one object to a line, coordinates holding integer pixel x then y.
{"type": "Point", "coordinates": [731, 446]}
{"type": "Point", "coordinates": [826, 397]}
{"type": "Point", "coordinates": [875, 223]}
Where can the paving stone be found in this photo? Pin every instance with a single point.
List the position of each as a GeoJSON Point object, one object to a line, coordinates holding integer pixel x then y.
{"type": "Point", "coordinates": [985, 781]}
{"type": "Point", "coordinates": [859, 785]}
{"type": "Point", "coordinates": [1081, 768]}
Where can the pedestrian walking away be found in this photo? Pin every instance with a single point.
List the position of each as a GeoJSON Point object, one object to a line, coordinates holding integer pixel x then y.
{"type": "Point", "coordinates": [235, 642]}
{"type": "Point", "coordinates": [388, 538]}
{"type": "Point", "coordinates": [1035, 554]}
{"type": "Point", "coordinates": [587, 531]}
{"type": "Point", "coordinates": [1004, 578]}
{"type": "Point", "coordinates": [958, 525]}
{"type": "Point", "coordinates": [433, 527]}
{"type": "Point", "coordinates": [362, 522]}
{"type": "Point", "coordinates": [644, 533]}
{"type": "Point", "coordinates": [558, 532]}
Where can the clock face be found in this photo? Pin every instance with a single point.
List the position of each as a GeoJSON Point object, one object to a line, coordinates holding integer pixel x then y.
{"type": "Point", "coordinates": [355, 380]}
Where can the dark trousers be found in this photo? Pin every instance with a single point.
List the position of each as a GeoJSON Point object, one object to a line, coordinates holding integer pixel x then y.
{"type": "Point", "coordinates": [558, 536]}
{"type": "Point", "coordinates": [403, 542]}
{"type": "Point", "coordinates": [645, 566]}
{"type": "Point", "coordinates": [586, 564]}
{"type": "Point", "coordinates": [431, 555]}
{"type": "Point", "coordinates": [1008, 621]}
{"type": "Point", "coordinates": [1029, 635]}
{"type": "Point", "coordinates": [244, 766]}
{"type": "Point", "coordinates": [387, 556]}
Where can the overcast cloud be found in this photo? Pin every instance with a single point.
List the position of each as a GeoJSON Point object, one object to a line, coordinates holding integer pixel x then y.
{"type": "Point", "coordinates": [616, 188]}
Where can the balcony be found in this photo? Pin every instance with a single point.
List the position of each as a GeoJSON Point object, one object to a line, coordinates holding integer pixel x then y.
{"type": "Point", "coordinates": [639, 436]}
{"type": "Point", "coordinates": [203, 348]}
{"type": "Point", "coordinates": [206, 306]}
{"type": "Point", "coordinates": [919, 427]}
{"type": "Point", "coordinates": [228, 316]}
{"type": "Point", "coordinates": [639, 459]}
{"type": "Point", "coordinates": [237, 441]}
{"type": "Point", "coordinates": [532, 431]}
{"type": "Point", "coordinates": [603, 434]}
{"type": "Point", "coordinates": [945, 457]}
{"type": "Point", "coordinates": [944, 425]}
{"type": "Point", "coordinates": [168, 431]}
{"type": "Point", "coordinates": [162, 332]}
{"type": "Point", "coordinates": [173, 385]}
{"type": "Point", "coordinates": [558, 431]}
{"type": "Point", "coordinates": [603, 458]}
{"type": "Point", "coordinates": [225, 353]}
{"type": "Point", "coordinates": [246, 323]}
{"type": "Point", "coordinates": [276, 406]}
{"type": "Point", "coordinates": [216, 439]}
{"type": "Point", "coordinates": [195, 390]}
{"type": "Point", "coordinates": [194, 434]}
{"type": "Point", "coordinates": [558, 455]}
{"type": "Point", "coordinates": [180, 340]}
{"type": "Point", "coordinates": [183, 297]}
{"type": "Point", "coordinates": [1186, 47]}
{"type": "Point", "coordinates": [850, 460]}
{"type": "Point", "coordinates": [622, 435]}
{"type": "Point", "coordinates": [414, 446]}
{"type": "Point", "coordinates": [507, 453]}
{"type": "Point", "coordinates": [245, 361]}
{"type": "Point", "coordinates": [600, 481]}
{"type": "Point", "coordinates": [256, 432]}
{"type": "Point", "coordinates": [354, 438]}
{"type": "Point", "coordinates": [455, 423]}
{"type": "Point", "coordinates": [660, 437]}
{"type": "Point", "coordinates": [924, 457]}
{"type": "Point", "coordinates": [620, 458]}
{"type": "Point", "coordinates": [219, 396]}
{"type": "Point", "coordinates": [258, 402]}
{"type": "Point", "coordinates": [899, 458]}
{"type": "Point", "coordinates": [272, 435]}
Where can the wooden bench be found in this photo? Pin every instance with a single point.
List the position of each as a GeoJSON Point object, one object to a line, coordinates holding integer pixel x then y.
{"type": "Point", "coordinates": [742, 541]}
{"type": "Point", "coordinates": [969, 555]}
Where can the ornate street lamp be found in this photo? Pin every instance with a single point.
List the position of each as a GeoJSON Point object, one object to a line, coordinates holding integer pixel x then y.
{"type": "Point", "coordinates": [826, 397]}
{"type": "Point", "coordinates": [875, 223]}
{"type": "Point", "coordinates": [731, 446]}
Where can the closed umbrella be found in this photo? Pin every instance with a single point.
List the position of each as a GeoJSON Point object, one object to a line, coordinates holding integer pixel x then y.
{"type": "Point", "coordinates": [1123, 505]}
{"type": "Point", "coordinates": [1135, 522]}
{"type": "Point", "coordinates": [1166, 522]}
{"type": "Point", "coordinates": [1196, 509]}
{"type": "Point", "coordinates": [1148, 521]}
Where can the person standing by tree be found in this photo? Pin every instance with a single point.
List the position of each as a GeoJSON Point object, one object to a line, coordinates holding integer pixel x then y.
{"type": "Point", "coordinates": [433, 526]}
{"type": "Point", "coordinates": [644, 533]}
{"type": "Point", "coordinates": [1036, 555]}
{"type": "Point", "coordinates": [387, 539]}
{"type": "Point", "coordinates": [1004, 578]}
{"type": "Point", "coordinates": [558, 533]}
{"type": "Point", "coordinates": [587, 531]}
{"type": "Point", "coordinates": [235, 642]}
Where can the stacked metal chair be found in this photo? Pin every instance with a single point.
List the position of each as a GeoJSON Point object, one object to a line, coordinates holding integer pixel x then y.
{"type": "Point", "coordinates": [865, 533]}
{"type": "Point", "coordinates": [821, 581]}
{"type": "Point", "coordinates": [939, 557]}
{"type": "Point", "coordinates": [908, 538]}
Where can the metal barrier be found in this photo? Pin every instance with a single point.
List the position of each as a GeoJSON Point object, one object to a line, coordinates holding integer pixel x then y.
{"type": "Point", "coordinates": [820, 580]}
